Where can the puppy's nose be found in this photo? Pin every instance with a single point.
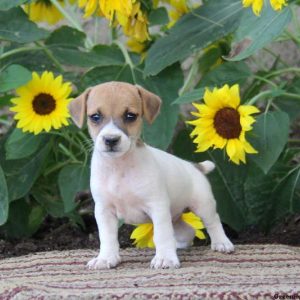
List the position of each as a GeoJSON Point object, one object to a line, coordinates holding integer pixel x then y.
{"type": "Point", "coordinates": [111, 140]}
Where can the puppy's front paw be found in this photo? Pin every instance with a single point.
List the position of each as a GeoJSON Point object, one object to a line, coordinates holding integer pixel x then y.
{"type": "Point", "coordinates": [223, 246]}
{"type": "Point", "coordinates": [107, 262]}
{"type": "Point", "coordinates": [159, 262]}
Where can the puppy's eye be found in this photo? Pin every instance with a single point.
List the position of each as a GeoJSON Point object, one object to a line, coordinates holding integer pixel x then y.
{"type": "Point", "coordinates": [96, 118]}
{"type": "Point", "coordinates": [130, 117]}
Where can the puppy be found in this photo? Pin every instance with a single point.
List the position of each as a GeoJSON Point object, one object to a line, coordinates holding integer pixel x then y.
{"type": "Point", "coordinates": [138, 183]}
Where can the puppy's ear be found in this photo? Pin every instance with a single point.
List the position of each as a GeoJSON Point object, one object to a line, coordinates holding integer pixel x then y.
{"type": "Point", "coordinates": [77, 108]}
{"type": "Point", "coordinates": [151, 104]}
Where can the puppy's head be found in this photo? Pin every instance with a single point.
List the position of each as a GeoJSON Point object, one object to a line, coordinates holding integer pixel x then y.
{"type": "Point", "coordinates": [114, 115]}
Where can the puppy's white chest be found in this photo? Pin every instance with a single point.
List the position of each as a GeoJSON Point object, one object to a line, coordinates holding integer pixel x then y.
{"type": "Point", "coordinates": [118, 190]}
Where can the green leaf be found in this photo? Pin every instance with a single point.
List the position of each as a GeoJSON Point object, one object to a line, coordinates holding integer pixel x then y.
{"type": "Point", "coordinates": [8, 4]}
{"type": "Point", "coordinates": [20, 144]}
{"type": "Point", "coordinates": [107, 73]}
{"type": "Point", "coordinates": [287, 195]}
{"type": "Point", "coordinates": [24, 219]}
{"type": "Point", "coordinates": [255, 32]}
{"type": "Point", "coordinates": [12, 77]}
{"type": "Point", "coordinates": [190, 96]}
{"type": "Point", "coordinates": [269, 136]}
{"type": "Point", "coordinates": [194, 31]}
{"type": "Point", "coordinates": [166, 85]}
{"type": "Point", "coordinates": [3, 198]}
{"type": "Point", "coordinates": [66, 37]}
{"type": "Point", "coordinates": [226, 73]}
{"type": "Point", "coordinates": [21, 174]}
{"type": "Point", "coordinates": [101, 55]}
{"type": "Point", "coordinates": [158, 16]}
{"type": "Point", "coordinates": [289, 105]}
{"type": "Point", "coordinates": [15, 27]}
{"type": "Point", "coordinates": [72, 179]}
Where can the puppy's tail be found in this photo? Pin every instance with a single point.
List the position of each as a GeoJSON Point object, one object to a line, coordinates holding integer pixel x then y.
{"type": "Point", "coordinates": [206, 166]}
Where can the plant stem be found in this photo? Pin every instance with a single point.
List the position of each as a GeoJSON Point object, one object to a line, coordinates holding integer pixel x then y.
{"type": "Point", "coordinates": [127, 58]}
{"type": "Point", "coordinates": [71, 19]}
{"type": "Point", "coordinates": [51, 57]}
{"type": "Point", "coordinates": [270, 93]}
{"type": "Point", "coordinates": [18, 50]}
{"type": "Point", "coordinates": [282, 71]}
{"type": "Point", "coordinates": [265, 80]}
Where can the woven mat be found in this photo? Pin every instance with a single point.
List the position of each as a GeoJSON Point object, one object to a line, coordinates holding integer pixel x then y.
{"type": "Point", "coordinates": [252, 272]}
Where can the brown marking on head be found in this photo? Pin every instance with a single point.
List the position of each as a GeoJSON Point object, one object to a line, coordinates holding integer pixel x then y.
{"type": "Point", "coordinates": [114, 101]}
{"type": "Point", "coordinates": [151, 104]}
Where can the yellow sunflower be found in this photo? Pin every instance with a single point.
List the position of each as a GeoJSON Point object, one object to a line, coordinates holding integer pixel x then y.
{"type": "Point", "coordinates": [257, 5]}
{"type": "Point", "coordinates": [179, 8]}
{"type": "Point", "coordinates": [143, 233]}
{"type": "Point", "coordinates": [43, 11]}
{"type": "Point", "coordinates": [90, 7]}
{"type": "Point", "coordinates": [222, 121]}
{"type": "Point", "coordinates": [42, 103]}
{"type": "Point", "coordinates": [136, 25]}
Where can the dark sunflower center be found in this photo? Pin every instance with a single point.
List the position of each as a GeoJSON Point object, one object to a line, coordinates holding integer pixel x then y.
{"type": "Point", "coordinates": [227, 123]}
{"type": "Point", "coordinates": [43, 104]}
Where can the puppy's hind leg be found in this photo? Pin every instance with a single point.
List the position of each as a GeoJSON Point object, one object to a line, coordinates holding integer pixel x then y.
{"type": "Point", "coordinates": [184, 234]}
{"type": "Point", "coordinates": [204, 205]}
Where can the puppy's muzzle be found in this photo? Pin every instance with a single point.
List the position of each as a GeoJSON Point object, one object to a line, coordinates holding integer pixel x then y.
{"type": "Point", "coordinates": [111, 141]}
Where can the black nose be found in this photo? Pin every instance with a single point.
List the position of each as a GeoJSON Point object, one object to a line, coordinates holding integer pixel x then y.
{"type": "Point", "coordinates": [111, 141]}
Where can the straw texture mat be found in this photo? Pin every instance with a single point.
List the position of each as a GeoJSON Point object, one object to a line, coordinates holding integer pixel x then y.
{"type": "Point", "coordinates": [252, 272]}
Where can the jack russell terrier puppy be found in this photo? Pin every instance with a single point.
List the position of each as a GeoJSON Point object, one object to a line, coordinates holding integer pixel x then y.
{"type": "Point", "coordinates": [138, 183]}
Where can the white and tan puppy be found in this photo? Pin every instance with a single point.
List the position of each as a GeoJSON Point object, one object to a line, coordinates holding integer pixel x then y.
{"type": "Point", "coordinates": [138, 183]}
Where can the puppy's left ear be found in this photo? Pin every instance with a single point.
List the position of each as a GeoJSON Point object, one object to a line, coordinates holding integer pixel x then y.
{"type": "Point", "coordinates": [77, 108]}
{"type": "Point", "coordinates": [151, 104]}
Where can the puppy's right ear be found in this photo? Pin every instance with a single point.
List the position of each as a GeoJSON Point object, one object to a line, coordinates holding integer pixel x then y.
{"type": "Point", "coordinates": [77, 108]}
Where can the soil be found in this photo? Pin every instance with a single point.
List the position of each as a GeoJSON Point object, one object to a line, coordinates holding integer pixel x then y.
{"type": "Point", "coordinates": [59, 234]}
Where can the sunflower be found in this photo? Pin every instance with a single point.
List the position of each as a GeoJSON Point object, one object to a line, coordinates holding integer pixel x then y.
{"type": "Point", "coordinates": [143, 233]}
{"type": "Point", "coordinates": [222, 121]}
{"type": "Point", "coordinates": [42, 103]}
{"type": "Point", "coordinates": [179, 8]}
{"type": "Point", "coordinates": [43, 11]}
{"type": "Point", "coordinates": [90, 7]}
{"type": "Point", "coordinates": [257, 5]}
{"type": "Point", "coordinates": [135, 25]}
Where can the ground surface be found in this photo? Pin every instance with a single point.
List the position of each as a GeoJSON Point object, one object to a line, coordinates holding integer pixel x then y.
{"type": "Point", "coordinates": [252, 272]}
{"type": "Point", "coordinates": [61, 235]}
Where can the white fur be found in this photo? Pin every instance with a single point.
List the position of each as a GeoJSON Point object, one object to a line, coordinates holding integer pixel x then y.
{"type": "Point", "coordinates": [144, 184]}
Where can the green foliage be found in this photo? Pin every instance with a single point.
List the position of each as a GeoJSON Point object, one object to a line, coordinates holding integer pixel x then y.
{"type": "Point", "coordinates": [13, 77]}
{"type": "Point", "coordinates": [254, 33]}
{"type": "Point", "coordinates": [15, 27]}
{"type": "Point", "coordinates": [194, 32]}
{"type": "Point", "coordinates": [41, 175]}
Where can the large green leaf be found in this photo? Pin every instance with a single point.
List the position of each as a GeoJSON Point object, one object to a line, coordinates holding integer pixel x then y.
{"type": "Point", "coordinates": [65, 44]}
{"type": "Point", "coordinates": [66, 37]}
{"type": "Point", "coordinates": [21, 174]}
{"type": "Point", "coordinates": [287, 195]}
{"type": "Point", "coordinates": [166, 85]}
{"type": "Point", "coordinates": [226, 73]}
{"type": "Point", "coordinates": [15, 27]}
{"type": "Point", "coordinates": [24, 219]}
{"type": "Point", "coordinates": [269, 136]}
{"type": "Point", "coordinates": [107, 73]}
{"type": "Point", "coordinates": [255, 32]}
{"type": "Point", "coordinates": [13, 77]}
{"type": "Point", "coordinates": [72, 179]}
{"type": "Point", "coordinates": [191, 96]}
{"type": "Point", "coordinates": [8, 4]}
{"type": "Point", "coordinates": [3, 198]}
{"type": "Point", "coordinates": [194, 31]}
{"type": "Point", "coordinates": [20, 144]}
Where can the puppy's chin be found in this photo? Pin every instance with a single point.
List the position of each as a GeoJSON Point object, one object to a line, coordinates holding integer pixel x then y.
{"type": "Point", "coordinates": [112, 154]}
